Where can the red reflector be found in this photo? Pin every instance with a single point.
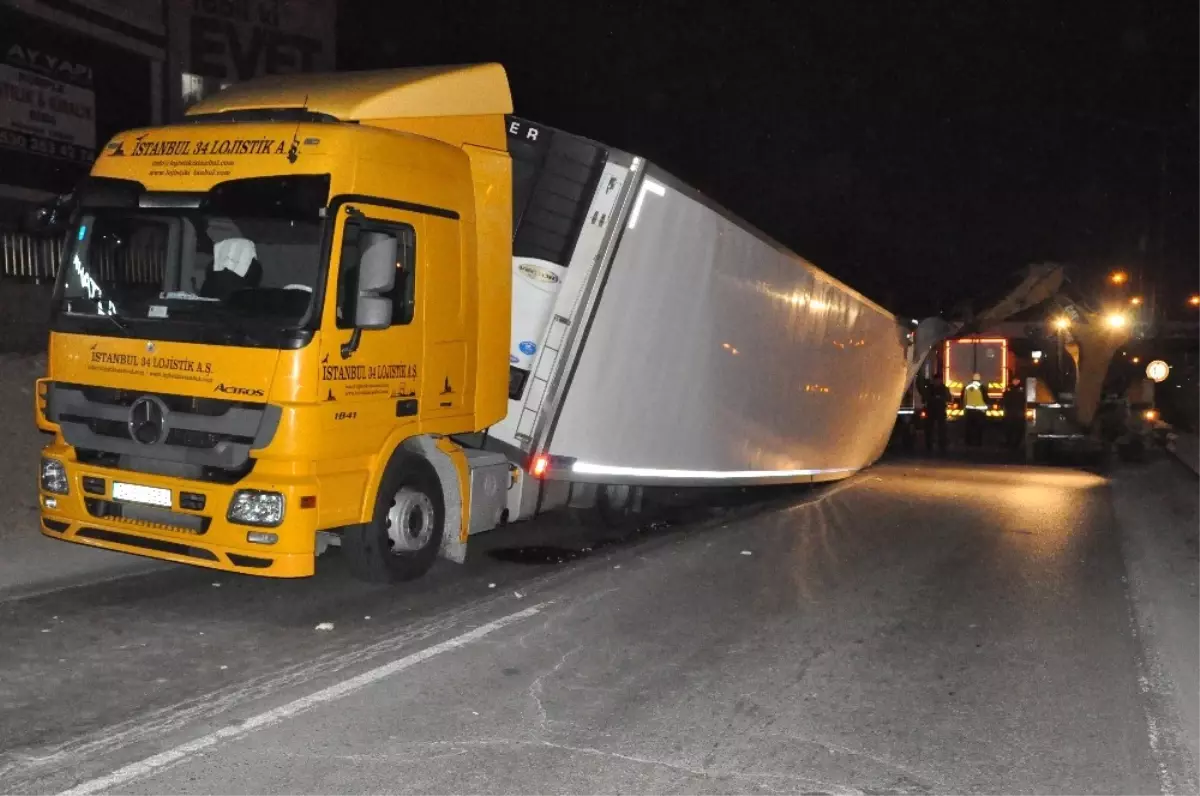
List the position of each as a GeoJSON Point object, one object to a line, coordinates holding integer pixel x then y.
{"type": "Point", "coordinates": [540, 465]}
{"type": "Point", "coordinates": [308, 502]}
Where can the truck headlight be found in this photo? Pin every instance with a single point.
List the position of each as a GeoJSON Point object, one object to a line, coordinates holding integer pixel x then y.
{"type": "Point", "coordinates": [54, 477]}
{"type": "Point", "coordinates": [252, 507]}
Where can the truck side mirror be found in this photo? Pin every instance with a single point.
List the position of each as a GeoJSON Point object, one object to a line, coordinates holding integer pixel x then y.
{"type": "Point", "coordinates": [376, 275]}
{"type": "Point", "coordinates": [49, 218]}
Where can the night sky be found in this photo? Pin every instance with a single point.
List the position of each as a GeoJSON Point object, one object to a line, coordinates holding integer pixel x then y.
{"type": "Point", "coordinates": [921, 152]}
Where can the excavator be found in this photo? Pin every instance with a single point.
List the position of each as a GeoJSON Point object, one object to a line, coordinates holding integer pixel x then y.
{"type": "Point", "coordinates": [1092, 335]}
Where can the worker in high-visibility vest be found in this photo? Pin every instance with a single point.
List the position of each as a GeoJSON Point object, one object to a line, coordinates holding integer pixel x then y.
{"type": "Point", "coordinates": [974, 404]}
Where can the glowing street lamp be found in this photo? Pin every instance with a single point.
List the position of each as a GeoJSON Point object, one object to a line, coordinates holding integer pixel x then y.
{"type": "Point", "coordinates": [1136, 301]}
{"type": "Point", "coordinates": [1062, 323]}
{"type": "Point", "coordinates": [1118, 277]}
{"type": "Point", "coordinates": [1194, 300]}
{"type": "Point", "coordinates": [1116, 320]}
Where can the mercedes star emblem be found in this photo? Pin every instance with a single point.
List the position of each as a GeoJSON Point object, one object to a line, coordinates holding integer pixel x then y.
{"type": "Point", "coordinates": [147, 421]}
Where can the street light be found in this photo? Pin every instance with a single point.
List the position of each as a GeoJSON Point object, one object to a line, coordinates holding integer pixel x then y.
{"type": "Point", "coordinates": [1118, 277]}
{"type": "Point", "coordinates": [1136, 301]}
{"type": "Point", "coordinates": [1116, 320]}
{"type": "Point", "coordinates": [1194, 300]}
{"type": "Point", "coordinates": [1062, 323]}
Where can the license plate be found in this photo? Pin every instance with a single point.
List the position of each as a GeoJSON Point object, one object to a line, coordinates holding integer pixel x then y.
{"type": "Point", "coordinates": [146, 495]}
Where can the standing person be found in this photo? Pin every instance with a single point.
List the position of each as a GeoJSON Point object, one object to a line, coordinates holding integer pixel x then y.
{"type": "Point", "coordinates": [1014, 414]}
{"type": "Point", "coordinates": [937, 396]}
{"type": "Point", "coordinates": [974, 404]}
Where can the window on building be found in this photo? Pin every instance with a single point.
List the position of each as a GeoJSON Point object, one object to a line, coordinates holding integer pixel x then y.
{"type": "Point", "coordinates": [194, 88]}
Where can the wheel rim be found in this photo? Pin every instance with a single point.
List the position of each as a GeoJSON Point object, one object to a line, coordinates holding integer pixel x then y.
{"type": "Point", "coordinates": [410, 521]}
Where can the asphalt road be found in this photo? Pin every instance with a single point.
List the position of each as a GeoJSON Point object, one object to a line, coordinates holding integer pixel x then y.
{"type": "Point", "coordinates": [920, 628]}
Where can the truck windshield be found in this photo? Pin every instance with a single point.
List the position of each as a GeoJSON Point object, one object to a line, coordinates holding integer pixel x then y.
{"type": "Point", "coordinates": [236, 268]}
{"type": "Point", "coordinates": [190, 268]}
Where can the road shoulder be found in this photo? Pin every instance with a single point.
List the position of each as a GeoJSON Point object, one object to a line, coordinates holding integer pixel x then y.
{"type": "Point", "coordinates": [1156, 508]}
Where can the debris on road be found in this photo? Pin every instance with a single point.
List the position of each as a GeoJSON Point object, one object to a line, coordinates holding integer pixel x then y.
{"type": "Point", "coordinates": [325, 626]}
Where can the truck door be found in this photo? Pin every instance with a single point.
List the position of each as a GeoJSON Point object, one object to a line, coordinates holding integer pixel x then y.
{"type": "Point", "coordinates": [371, 380]}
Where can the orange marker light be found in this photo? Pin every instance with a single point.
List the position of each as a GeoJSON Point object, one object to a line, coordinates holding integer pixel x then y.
{"type": "Point", "coordinates": [540, 465]}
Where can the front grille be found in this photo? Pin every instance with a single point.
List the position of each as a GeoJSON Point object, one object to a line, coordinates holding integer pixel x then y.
{"type": "Point", "coordinates": [202, 438]}
{"type": "Point", "coordinates": [209, 407]}
{"type": "Point", "coordinates": [190, 472]}
{"type": "Point", "coordinates": [104, 428]}
{"type": "Point", "coordinates": [183, 437]}
{"type": "Point", "coordinates": [148, 517]}
{"type": "Point", "coordinates": [158, 545]}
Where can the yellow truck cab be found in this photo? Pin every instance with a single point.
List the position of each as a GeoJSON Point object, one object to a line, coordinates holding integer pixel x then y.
{"type": "Point", "coordinates": [334, 257]}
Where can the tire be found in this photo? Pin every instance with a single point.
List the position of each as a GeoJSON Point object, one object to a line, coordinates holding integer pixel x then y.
{"type": "Point", "coordinates": [402, 540]}
{"type": "Point", "coordinates": [612, 511]}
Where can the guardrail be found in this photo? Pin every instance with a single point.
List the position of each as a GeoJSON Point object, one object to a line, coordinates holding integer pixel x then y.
{"type": "Point", "coordinates": [31, 258]}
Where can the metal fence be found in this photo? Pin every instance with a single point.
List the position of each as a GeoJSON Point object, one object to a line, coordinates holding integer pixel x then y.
{"type": "Point", "coordinates": [31, 258]}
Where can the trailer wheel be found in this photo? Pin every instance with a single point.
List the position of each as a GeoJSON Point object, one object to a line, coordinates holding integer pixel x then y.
{"type": "Point", "coordinates": [402, 539]}
{"type": "Point", "coordinates": [614, 509]}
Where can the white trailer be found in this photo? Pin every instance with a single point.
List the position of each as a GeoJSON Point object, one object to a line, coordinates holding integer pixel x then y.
{"type": "Point", "coordinates": [660, 341]}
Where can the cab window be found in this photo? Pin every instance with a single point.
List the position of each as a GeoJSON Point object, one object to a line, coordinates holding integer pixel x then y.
{"type": "Point", "coordinates": [403, 294]}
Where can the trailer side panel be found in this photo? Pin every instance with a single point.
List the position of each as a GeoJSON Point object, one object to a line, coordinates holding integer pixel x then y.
{"type": "Point", "coordinates": [715, 354]}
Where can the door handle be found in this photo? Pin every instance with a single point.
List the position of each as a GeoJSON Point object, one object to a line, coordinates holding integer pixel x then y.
{"type": "Point", "coordinates": [406, 407]}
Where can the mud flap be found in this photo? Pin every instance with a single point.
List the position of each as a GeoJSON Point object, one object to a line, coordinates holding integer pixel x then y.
{"type": "Point", "coordinates": [454, 544]}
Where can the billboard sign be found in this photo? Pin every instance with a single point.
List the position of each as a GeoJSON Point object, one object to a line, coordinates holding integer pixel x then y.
{"type": "Point", "coordinates": [47, 102]}
{"type": "Point", "coordinates": [235, 40]}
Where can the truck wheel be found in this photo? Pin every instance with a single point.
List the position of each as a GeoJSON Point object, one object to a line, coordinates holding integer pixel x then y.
{"type": "Point", "coordinates": [402, 539]}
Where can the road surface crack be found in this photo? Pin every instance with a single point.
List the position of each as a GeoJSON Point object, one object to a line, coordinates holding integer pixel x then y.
{"type": "Point", "coordinates": [535, 688]}
{"type": "Point", "coordinates": [460, 746]}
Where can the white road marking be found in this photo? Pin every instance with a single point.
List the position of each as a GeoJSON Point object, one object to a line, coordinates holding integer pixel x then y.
{"type": "Point", "coordinates": [1152, 687]}
{"type": "Point", "coordinates": [283, 712]}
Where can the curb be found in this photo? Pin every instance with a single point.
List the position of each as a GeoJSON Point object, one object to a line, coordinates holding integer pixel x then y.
{"type": "Point", "coordinates": [1185, 448]}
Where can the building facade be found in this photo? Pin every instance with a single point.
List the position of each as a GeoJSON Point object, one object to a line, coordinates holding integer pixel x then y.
{"type": "Point", "coordinates": [73, 73]}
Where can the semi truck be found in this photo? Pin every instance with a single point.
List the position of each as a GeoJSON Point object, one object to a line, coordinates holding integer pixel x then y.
{"type": "Point", "coordinates": [964, 357]}
{"type": "Point", "coordinates": [386, 313]}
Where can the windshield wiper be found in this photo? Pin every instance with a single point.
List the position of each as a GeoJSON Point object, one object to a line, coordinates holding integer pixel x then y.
{"type": "Point", "coordinates": [113, 319]}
